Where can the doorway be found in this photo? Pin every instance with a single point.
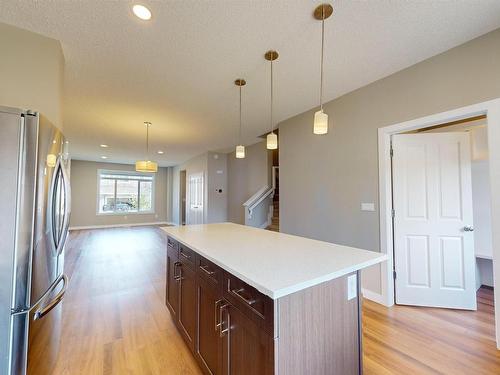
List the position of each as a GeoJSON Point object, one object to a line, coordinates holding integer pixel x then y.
{"type": "Point", "coordinates": [196, 195]}
{"type": "Point", "coordinates": [182, 197]}
{"type": "Point", "coordinates": [439, 180]}
{"type": "Point", "coordinates": [491, 111]}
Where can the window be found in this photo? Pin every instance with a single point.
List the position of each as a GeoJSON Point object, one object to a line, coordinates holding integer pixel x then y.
{"type": "Point", "coordinates": [125, 192]}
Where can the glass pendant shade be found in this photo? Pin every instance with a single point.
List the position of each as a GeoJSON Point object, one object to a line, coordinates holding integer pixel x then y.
{"type": "Point", "coordinates": [272, 141]}
{"type": "Point", "coordinates": [320, 122]}
{"type": "Point", "coordinates": [147, 166]}
{"type": "Point", "coordinates": [240, 152]}
{"type": "Point", "coordinates": [51, 160]}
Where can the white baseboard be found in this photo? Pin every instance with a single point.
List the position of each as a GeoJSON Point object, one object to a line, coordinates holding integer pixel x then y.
{"type": "Point", "coordinates": [372, 296]}
{"type": "Point", "coordinates": [120, 225]}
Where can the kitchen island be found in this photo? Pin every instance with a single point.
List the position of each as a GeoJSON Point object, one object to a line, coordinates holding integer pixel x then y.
{"type": "Point", "coordinates": [251, 301]}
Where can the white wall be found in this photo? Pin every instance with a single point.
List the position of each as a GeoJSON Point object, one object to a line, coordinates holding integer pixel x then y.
{"type": "Point", "coordinates": [84, 196]}
{"type": "Point", "coordinates": [323, 179]}
{"type": "Point", "coordinates": [31, 72]}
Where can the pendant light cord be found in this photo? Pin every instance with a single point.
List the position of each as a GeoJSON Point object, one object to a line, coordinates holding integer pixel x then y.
{"type": "Point", "coordinates": [239, 133]}
{"type": "Point", "coordinates": [271, 95]}
{"type": "Point", "coordinates": [147, 140]}
{"type": "Point", "coordinates": [322, 50]}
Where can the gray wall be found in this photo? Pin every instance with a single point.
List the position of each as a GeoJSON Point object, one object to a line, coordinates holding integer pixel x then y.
{"type": "Point", "coordinates": [214, 168]}
{"type": "Point", "coordinates": [84, 196]}
{"type": "Point", "coordinates": [31, 72]}
{"type": "Point", "coordinates": [217, 180]}
{"type": "Point", "coordinates": [324, 179]}
{"type": "Point", "coordinates": [246, 176]}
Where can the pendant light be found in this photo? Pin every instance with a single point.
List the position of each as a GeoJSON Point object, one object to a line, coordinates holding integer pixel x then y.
{"type": "Point", "coordinates": [146, 165]}
{"type": "Point", "coordinates": [240, 149]}
{"type": "Point", "coordinates": [272, 138]}
{"type": "Point", "coordinates": [321, 13]}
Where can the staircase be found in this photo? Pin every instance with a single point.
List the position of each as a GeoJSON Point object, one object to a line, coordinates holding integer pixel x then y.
{"type": "Point", "coordinates": [275, 224]}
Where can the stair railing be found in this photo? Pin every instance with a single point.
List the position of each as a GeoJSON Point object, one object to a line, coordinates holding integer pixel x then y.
{"type": "Point", "coordinates": [255, 201]}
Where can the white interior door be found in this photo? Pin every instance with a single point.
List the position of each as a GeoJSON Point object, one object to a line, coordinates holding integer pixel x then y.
{"type": "Point", "coordinates": [433, 238]}
{"type": "Point", "coordinates": [196, 193]}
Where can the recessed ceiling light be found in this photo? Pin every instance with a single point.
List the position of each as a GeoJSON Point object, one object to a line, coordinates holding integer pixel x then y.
{"type": "Point", "coordinates": [161, 152]}
{"type": "Point", "coordinates": [142, 12]}
{"type": "Point", "coordinates": [104, 157]}
{"type": "Point", "coordinates": [104, 146]}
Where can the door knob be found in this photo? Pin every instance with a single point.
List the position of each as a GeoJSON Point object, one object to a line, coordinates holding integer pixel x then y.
{"type": "Point", "coordinates": [468, 228]}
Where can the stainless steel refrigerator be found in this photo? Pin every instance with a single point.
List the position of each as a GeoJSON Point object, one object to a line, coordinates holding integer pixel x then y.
{"type": "Point", "coordinates": [34, 220]}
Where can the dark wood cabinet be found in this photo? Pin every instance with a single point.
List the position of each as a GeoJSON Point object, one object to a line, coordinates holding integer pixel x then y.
{"type": "Point", "coordinates": [234, 329]}
{"type": "Point", "coordinates": [172, 289]}
{"type": "Point", "coordinates": [247, 348]}
{"type": "Point", "coordinates": [187, 303]}
{"type": "Point", "coordinates": [208, 348]}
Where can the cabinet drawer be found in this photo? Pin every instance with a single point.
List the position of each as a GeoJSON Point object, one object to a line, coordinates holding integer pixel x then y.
{"type": "Point", "coordinates": [187, 256]}
{"type": "Point", "coordinates": [172, 245]}
{"type": "Point", "coordinates": [254, 304]}
{"type": "Point", "coordinates": [209, 271]}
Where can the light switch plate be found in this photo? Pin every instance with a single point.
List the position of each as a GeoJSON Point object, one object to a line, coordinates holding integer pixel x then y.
{"type": "Point", "coordinates": [367, 206]}
{"type": "Point", "coordinates": [352, 287]}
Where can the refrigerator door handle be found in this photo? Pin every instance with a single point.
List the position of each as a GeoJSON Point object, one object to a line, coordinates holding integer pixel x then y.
{"type": "Point", "coordinates": [40, 313]}
{"type": "Point", "coordinates": [67, 210]}
{"type": "Point", "coordinates": [59, 234]}
{"type": "Point", "coordinates": [27, 310]}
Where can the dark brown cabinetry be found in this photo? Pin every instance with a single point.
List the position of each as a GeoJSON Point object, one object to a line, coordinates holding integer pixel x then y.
{"type": "Point", "coordinates": [233, 329]}
{"type": "Point", "coordinates": [172, 289]}
{"type": "Point", "coordinates": [208, 348]}
{"type": "Point", "coordinates": [247, 348]}
{"type": "Point", "coordinates": [187, 303]}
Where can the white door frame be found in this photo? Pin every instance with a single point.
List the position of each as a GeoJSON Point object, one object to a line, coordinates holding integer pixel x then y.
{"type": "Point", "coordinates": [491, 109]}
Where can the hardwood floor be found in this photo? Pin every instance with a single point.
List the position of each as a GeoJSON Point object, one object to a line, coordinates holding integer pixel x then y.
{"type": "Point", "coordinates": [114, 316]}
{"type": "Point", "coordinates": [114, 319]}
{"type": "Point", "coordinates": [416, 340]}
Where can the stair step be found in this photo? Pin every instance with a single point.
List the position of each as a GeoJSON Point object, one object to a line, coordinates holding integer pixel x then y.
{"type": "Point", "coordinates": [274, 228]}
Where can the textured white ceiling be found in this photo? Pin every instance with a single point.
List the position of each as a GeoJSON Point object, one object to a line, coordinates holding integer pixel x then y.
{"type": "Point", "coordinates": [177, 70]}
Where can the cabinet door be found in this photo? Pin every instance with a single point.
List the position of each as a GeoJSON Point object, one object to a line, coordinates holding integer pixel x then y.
{"type": "Point", "coordinates": [247, 348]}
{"type": "Point", "coordinates": [187, 304]}
{"type": "Point", "coordinates": [209, 343]}
{"type": "Point", "coordinates": [172, 289]}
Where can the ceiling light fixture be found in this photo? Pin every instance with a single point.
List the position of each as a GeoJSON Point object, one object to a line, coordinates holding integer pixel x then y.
{"type": "Point", "coordinates": [104, 146]}
{"type": "Point", "coordinates": [240, 149]}
{"type": "Point", "coordinates": [104, 157]}
{"type": "Point", "coordinates": [321, 13]}
{"type": "Point", "coordinates": [141, 12]}
{"type": "Point", "coordinates": [160, 152]}
{"type": "Point", "coordinates": [146, 165]}
{"type": "Point", "coordinates": [272, 138]}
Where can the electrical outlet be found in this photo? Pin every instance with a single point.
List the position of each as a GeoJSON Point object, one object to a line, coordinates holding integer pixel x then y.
{"type": "Point", "coordinates": [367, 206]}
{"type": "Point", "coordinates": [352, 287]}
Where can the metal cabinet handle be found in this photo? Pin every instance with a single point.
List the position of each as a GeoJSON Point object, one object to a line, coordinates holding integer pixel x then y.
{"type": "Point", "coordinates": [222, 330]}
{"type": "Point", "coordinates": [468, 228]}
{"type": "Point", "coordinates": [40, 313]}
{"type": "Point", "coordinates": [238, 294]}
{"type": "Point", "coordinates": [187, 256]}
{"type": "Point", "coordinates": [206, 270]}
{"type": "Point", "coordinates": [176, 265]}
{"type": "Point", "coordinates": [216, 314]}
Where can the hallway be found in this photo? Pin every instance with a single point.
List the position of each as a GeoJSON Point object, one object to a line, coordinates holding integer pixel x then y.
{"type": "Point", "coordinates": [115, 320]}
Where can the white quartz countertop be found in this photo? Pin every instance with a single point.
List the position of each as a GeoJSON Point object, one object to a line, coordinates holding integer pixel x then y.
{"type": "Point", "coordinates": [276, 264]}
